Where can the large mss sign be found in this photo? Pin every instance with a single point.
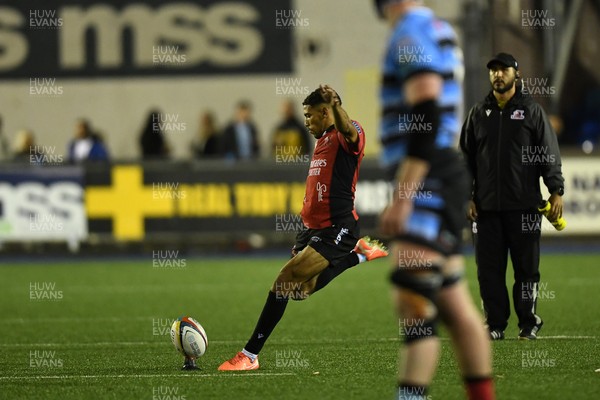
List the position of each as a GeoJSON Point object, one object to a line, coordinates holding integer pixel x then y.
{"type": "Point", "coordinates": [42, 203]}
{"type": "Point", "coordinates": [81, 38]}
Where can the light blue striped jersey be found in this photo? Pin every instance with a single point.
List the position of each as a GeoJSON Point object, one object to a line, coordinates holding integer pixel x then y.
{"type": "Point", "coordinates": [420, 42]}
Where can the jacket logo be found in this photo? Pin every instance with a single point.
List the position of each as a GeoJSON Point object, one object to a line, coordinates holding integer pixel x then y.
{"type": "Point", "coordinates": [488, 112]}
{"type": "Point", "coordinates": [518, 114]}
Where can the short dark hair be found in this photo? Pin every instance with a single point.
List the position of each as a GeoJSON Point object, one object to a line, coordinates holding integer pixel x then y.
{"type": "Point", "coordinates": [244, 105]}
{"type": "Point", "coordinates": [316, 98]}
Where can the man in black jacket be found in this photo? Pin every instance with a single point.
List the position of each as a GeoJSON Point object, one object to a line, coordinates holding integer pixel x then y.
{"type": "Point", "coordinates": [240, 137]}
{"type": "Point", "coordinates": [508, 144]}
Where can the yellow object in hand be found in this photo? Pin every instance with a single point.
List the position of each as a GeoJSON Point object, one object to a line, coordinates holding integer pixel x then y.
{"type": "Point", "coordinates": [558, 224]}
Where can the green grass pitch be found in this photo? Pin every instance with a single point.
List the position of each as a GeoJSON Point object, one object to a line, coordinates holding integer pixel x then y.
{"type": "Point", "coordinates": [99, 330]}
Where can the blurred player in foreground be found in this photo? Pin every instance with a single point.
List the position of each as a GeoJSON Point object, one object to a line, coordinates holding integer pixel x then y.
{"type": "Point", "coordinates": [421, 96]}
{"type": "Point", "coordinates": [330, 242]}
{"type": "Point", "coordinates": [509, 143]}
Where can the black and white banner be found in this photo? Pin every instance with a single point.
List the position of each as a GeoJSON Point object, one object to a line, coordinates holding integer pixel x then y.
{"type": "Point", "coordinates": [111, 38]}
{"type": "Point", "coordinates": [581, 202]}
{"type": "Point", "coordinates": [42, 204]}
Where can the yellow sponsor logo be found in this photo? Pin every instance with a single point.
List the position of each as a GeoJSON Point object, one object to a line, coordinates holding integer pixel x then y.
{"type": "Point", "coordinates": [128, 201]}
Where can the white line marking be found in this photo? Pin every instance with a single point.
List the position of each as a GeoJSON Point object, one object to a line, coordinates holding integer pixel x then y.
{"type": "Point", "coordinates": [10, 321]}
{"type": "Point", "coordinates": [143, 376]}
{"type": "Point", "coordinates": [567, 337]}
{"type": "Point", "coordinates": [165, 342]}
{"type": "Point", "coordinates": [558, 337]}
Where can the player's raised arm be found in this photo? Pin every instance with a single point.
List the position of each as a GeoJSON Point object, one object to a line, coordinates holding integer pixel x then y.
{"type": "Point", "coordinates": [341, 120]}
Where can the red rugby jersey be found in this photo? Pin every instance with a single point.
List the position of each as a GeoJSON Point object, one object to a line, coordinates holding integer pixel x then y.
{"type": "Point", "coordinates": [331, 180]}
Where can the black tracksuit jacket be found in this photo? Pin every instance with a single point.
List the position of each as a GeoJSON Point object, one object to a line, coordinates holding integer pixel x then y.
{"type": "Point", "coordinates": [507, 151]}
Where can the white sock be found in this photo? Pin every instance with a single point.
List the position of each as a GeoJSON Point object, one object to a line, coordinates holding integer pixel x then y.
{"type": "Point", "coordinates": [361, 258]}
{"type": "Point", "coordinates": [251, 356]}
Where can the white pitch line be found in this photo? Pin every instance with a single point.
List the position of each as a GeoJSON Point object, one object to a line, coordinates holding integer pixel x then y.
{"type": "Point", "coordinates": [566, 337]}
{"type": "Point", "coordinates": [231, 342]}
{"type": "Point", "coordinates": [5, 378]}
{"type": "Point", "coordinates": [96, 344]}
{"type": "Point", "coordinates": [168, 339]}
{"type": "Point", "coordinates": [278, 343]}
{"type": "Point", "coordinates": [558, 337]}
{"type": "Point", "coordinates": [10, 321]}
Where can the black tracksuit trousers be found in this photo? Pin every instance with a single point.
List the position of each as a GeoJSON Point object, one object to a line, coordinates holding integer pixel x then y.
{"type": "Point", "coordinates": [498, 233]}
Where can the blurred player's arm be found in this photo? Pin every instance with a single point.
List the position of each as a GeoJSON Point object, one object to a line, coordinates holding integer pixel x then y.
{"type": "Point", "coordinates": [341, 120]}
{"type": "Point", "coordinates": [422, 93]}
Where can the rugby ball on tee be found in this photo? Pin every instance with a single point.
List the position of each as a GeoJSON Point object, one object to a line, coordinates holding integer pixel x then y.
{"type": "Point", "coordinates": [189, 337]}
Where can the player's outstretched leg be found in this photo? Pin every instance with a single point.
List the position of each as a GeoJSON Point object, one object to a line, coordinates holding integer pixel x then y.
{"type": "Point", "coordinates": [467, 331]}
{"type": "Point", "coordinates": [366, 249]}
{"type": "Point", "coordinates": [296, 282]}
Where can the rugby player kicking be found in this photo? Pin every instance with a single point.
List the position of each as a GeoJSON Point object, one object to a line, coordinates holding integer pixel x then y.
{"type": "Point", "coordinates": [330, 242]}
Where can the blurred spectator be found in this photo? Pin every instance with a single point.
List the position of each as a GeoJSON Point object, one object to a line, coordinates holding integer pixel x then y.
{"type": "Point", "coordinates": [24, 146]}
{"type": "Point", "coordinates": [290, 135]}
{"type": "Point", "coordinates": [4, 150]}
{"type": "Point", "coordinates": [207, 143]}
{"type": "Point", "coordinates": [240, 137]}
{"type": "Point", "coordinates": [86, 146]}
{"type": "Point", "coordinates": [152, 141]}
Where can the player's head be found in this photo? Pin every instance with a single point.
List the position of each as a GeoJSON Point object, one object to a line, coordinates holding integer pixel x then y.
{"type": "Point", "coordinates": [504, 72]}
{"type": "Point", "coordinates": [287, 109]}
{"type": "Point", "coordinates": [317, 113]}
{"type": "Point", "coordinates": [391, 10]}
{"type": "Point", "coordinates": [243, 111]}
{"type": "Point", "coordinates": [82, 129]}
